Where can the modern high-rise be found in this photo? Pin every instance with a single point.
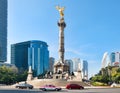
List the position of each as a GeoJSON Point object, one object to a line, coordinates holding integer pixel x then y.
{"type": "Point", "coordinates": [70, 63]}
{"type": "Point", "coordinates": [115, 58]}
{"type": "Point", "coordinates": [31, 53]}
{"type": "Point", "coordinates": [112, 57]}
{"type": "Point", "coordinates": [76, 61]}
{"type": "Point", "coordinates": [51, 64]}
{"type": "Point", "coordinates": [84, 67]}
{"type": "Point", "coordinates": [3, 30]}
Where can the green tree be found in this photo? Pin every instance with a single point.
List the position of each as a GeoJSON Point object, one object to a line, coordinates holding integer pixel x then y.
{"type": "Point", "coordinates": [109, 72]}
{"type": "Point", "coordinates": [103, 71]}
{"type": "Point", "coordinates": [6, 75]}
{"type": "Point", "coordinates": [11, 75]}
{"type": "Point", "coordinates": [118, 70]}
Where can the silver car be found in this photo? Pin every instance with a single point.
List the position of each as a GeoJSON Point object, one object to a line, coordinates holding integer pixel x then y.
{"type": "Point", "coordinates": [24, 86]}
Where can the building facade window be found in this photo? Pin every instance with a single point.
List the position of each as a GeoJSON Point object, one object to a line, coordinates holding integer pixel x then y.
{"type": "Point", "coordinates": [31, 53]}
{"type": "Point", "coordinates": [3, 30]}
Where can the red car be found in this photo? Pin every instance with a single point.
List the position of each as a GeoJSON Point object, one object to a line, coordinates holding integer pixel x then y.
{"type": "Point", "coordinates": [74, 86]}
{"type": "Point", "coordinates": [50, 87]}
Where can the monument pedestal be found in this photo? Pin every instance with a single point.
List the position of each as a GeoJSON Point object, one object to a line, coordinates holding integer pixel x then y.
{"type": "Point", "coordinates": [61, 71]}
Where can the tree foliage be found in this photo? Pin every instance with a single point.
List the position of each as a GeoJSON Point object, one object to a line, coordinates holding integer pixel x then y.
{"type": "Point", "coordinates": [107, 75]}
{"type": "Point", "coordinates": [11, 75]}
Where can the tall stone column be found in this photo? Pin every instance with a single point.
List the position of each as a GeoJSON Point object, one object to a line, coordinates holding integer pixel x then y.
{"type": "Point", "coordinates": [61, 25]}
{"type": "Point", "coordinates": [60, 67]}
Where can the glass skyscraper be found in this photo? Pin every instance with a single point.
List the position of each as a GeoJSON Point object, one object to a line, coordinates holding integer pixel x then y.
{"type": "Point", "coordinates": [75, 61]}
{"type": "Point", "coordinates": [112, 58]}
{"type": "Point", "coordinates": [31, 53]}
{"type": "Point", "coordinates": [70, 63]}
{"type": "Point", "coordinates": [115, 59]}
{"type": "Point", "coordinates": [84, 69]}
{"type": "Point", "coordinates": [3, 30]}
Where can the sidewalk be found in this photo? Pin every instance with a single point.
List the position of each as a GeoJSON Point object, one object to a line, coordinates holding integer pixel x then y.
{"type": "Point", "coordinates": [7, 86]}
{"type": "Point", "coordinates": [97, 87]}
{"type": "Point", "coordinates": [86, 87]}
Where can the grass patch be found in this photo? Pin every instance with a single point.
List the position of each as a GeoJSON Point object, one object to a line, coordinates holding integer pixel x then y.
{"type": "Point", "coordinates": [98, 84]}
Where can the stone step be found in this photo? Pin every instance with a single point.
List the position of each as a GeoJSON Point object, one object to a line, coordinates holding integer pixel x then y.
{"type": "Point", "coordinates": [62, 83]}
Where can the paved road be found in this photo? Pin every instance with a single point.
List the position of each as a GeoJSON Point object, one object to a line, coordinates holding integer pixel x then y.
{"type": "Point", "coordinates": [107, 90]}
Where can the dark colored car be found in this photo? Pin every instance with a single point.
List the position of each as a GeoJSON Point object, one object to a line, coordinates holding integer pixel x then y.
{"type": "Point", "coordinates": [74, 86]}
{"type": "Point", "coordinates": [50, 87]}
{"type": "Point", "coordinates": [24, 86]}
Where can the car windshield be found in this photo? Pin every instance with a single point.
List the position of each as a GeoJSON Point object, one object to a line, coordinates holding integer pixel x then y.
{"type": "Point", "coordinates": [49, 86]}
{"type": "Point", "coordinates": [23, 84]}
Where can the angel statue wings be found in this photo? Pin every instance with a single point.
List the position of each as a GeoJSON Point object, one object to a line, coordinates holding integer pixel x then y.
{"type": "Point", "coordinates": [60, 9]}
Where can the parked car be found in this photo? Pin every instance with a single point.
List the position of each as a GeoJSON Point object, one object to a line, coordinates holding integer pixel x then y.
{"type": "Point", "coordinates": [24, 86]}
{"type": "Point", "coordinates": [50, 87]}
{"type": "Point", "coordinates": [74, 86]}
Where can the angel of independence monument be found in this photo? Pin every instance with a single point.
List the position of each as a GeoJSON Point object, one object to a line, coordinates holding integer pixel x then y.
{"type": "Point", "coordinates": [61, 68]}
{"type": "Point", "coordinates": [61, 75]}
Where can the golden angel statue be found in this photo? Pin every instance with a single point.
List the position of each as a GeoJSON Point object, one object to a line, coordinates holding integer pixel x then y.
{"type": "Point", "coordinates": [60, 9]}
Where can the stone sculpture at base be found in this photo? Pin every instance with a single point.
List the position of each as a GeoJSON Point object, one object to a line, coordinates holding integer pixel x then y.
{"type": "Point", "coordinates": [30, 76]}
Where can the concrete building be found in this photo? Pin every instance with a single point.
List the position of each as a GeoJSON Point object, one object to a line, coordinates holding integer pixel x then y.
{"type": "Point", "coordinates": [3, 30]}
{"type": "Point", "coordinates": [51, 64]}
{"type": "Point", "coordinates": [31, 53]}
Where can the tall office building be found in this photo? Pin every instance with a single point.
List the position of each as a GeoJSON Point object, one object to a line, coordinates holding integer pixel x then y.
{"type": "Point", "coordinates": [76, 61]}
{"type": "Point", "coordinates": [70, 63]}
{"type": "Point", "coordinates": [51, 64]}
{"type": "Point", "coordinates": [31, 53]}
{"type": "Point", "coordinates": [3, 30]}
{"type": "Point", "coordinates": [115, 58]}
{"type": "Point", "coordinates": [84, 67]}
{"type": "Point", "coordinates": [112, 57]}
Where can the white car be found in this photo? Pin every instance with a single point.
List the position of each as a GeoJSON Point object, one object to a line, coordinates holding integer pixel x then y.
{"type": "Point", "coordinates": [50, 87]}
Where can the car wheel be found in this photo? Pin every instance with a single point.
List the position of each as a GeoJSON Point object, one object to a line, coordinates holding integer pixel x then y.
{"type": "Point", "coordinates": [44, 89]}
{"type": "Point", "coordinates": [16, 87]}
{"type": "Point", "coordinates": [20, 87]}
{"type": "Point", "coordinates": [70, 88]}
{"type": "Point", "coordinates": [56, 89]}
{"type": "Point", "coordinates": [30, 88]}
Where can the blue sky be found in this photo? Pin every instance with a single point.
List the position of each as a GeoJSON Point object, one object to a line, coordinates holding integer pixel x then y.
{"type": "Point", "coordinates": [93, 27]}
